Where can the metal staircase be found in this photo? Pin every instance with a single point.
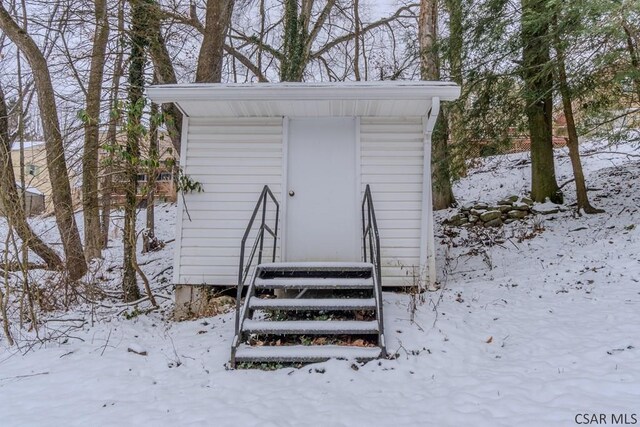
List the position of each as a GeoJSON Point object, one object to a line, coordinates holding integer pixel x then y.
{"type": "Point", "coordinates": [329, 310]}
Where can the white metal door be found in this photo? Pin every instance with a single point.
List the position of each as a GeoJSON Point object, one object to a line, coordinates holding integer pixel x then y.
{"type": "Point", "coordinates": [322, 216]}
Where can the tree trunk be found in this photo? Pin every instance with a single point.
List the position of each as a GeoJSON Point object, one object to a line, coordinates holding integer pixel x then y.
{"type": "Point", "coordinates": [137, 62]}
{"type": "Point", "coordinates": [293, 64]}
{"type": "Point", "coordinates": [356, 53]}
{"type": "Point", "coordinates": [635, 61]}
{"type": "Point", "coordinates": [107, 190]}
{"type": "Point", "coordinates": [572, 140]}
{"type": "Point", "coordinates": [149, 237]}
{"type": "Point", "coordinates": [218, 18]}
{"type": "Point", "coordinates": [164, 74]}
{"type": "Point", "coordinates": [263, 20]}
{"type": "Point", "coordinates": [429, 70]}
{"type": "Point", "coordinates": [427, 35]}
{"type": "Point", "coordinates": [290, 38]}
{"type": "Point", "coordinates": [112, 130]}
{"type": "Point", "coordinates": [456, 108]}
{"type": "Point", "coordinates": [538, 94]}
{"type": "Point", "coordinates": [90, 202]}
{"type": "Point", "coordinates": [456, 39]}
{"type": "Point", "coordinates": [56, 164]}
{"type": "Point", "coordinates": [11, 204]}
{"type": "Point", "coordinates": [21, 113]}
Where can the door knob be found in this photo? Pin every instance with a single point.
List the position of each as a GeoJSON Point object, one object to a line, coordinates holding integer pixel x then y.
{"type": "Point", "coordinates": [292, 193]}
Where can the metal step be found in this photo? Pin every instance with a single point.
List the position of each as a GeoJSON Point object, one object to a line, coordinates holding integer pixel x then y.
{"type": "Point", "coordinates": [316, 266]}
{"type": "Point", "coordinates": [311, 327]}
{"type": "Point", "coordinates": [315, 276]}
{"type": "Point", "coordinates": [312, 304]}
{"type": "Point", "coordinates": [302, 353]}
{"type": "Point", "coordinates": [313, 283]}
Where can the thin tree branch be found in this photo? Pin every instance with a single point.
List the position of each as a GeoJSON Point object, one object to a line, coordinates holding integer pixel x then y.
{"type": "Point", "coordinates": [259, 43]}
{"type": "Point", "coordinates": [363, 30]}
{"type": "Point", "coordinates": [191, 20]}
{"type": "Point", "coordinates": [318, 25]}
{"type": "Point", "coordinates": [246, 62]}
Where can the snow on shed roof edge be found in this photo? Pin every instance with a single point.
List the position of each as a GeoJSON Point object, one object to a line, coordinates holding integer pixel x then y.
{"type": "Point", "coordinates": [369, 90]}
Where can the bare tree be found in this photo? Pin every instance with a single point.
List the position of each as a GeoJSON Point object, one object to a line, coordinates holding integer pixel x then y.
{"type": "Point", "coordinates": [149, 241]}
{"type": "Point", "coordinates": [308, 32]}
{"type": "Point", "coordinates": [56, 159]}
{"type": "Point", "coordinates": [572, 139]}
{"type": "Point", "coordinates": [138, 35]}
{"type": "Point", "coordinates": [112, 129]}
{"type": "Point", "coordinates": [210, 57]}
{"type": "Point", "coordinates": [217, 23]}
{"type": "Point", "coordinates": [11, 204]}
{"type": "Point", "coordinates": [5, 295]}
{"type": "Point", "coordinates": [92, 235]}
{"type": "Point", "coordinates": [164, 73]}
{"type": "Point", "coordinates": [356, 25]}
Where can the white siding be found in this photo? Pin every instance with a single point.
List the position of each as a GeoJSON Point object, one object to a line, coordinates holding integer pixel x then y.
{"type": "Point", "coordinates": [391, 162]}
{"type": "Point", "coordinates": [233, 159]}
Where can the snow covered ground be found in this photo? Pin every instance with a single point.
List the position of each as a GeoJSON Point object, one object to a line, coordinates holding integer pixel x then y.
{"type": "Point", "coordinates": [530, 329]}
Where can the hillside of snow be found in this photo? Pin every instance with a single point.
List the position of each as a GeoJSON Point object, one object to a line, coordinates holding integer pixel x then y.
{"type": "Point", "coordinates": [535, 323]}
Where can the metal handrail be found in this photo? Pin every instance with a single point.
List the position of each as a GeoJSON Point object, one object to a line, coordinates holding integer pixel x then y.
{"type": "Point", "coordinates": [258, 245]}
{"type": "Point", "coordinates": [371, 238]}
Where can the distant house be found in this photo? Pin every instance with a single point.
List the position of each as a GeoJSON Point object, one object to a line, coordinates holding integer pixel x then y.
{"type": "Point", "coordinates": [518, 142]}
{"type": "Point", "coordinates": [164, 188]}
{"type": "Point", "coordinates": [35, 166]}
{"type": "Point", "coordinates": [39, 189]}
{"type": "Point", "coordinates": [36, 176]}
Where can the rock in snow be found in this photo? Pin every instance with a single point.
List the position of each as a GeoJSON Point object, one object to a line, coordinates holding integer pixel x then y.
{"type": "Point", "coordinates": [517, 214]}
{"type": "Point", "coordinates": [545, 208]}
{"type": "Point", "coordinates": [490, 215]}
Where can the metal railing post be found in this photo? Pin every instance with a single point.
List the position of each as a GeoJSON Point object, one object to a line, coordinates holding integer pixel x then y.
{"type": "Point", "coordinates": [370, 232]}
{"type": "Point", "coordinates": [261, 236]}
{"type": "Point", "coordinates": [275, 232]}
{"type": "Point", "coordinates": [243, 270]}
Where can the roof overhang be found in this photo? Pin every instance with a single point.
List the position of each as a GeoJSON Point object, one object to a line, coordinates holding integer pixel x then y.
{"type": "Point", "coordinates": [385, 98]}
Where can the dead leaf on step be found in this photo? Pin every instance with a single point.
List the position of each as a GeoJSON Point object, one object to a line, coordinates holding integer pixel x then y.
{"type": "Point", "coordinates": [320, 341]}
{"type": "Point", "coordinates": [358, 343]}
{"type": "Point", "coordinates": [259, 343]}
{"type": "Point", "coordinates": [490, 340]}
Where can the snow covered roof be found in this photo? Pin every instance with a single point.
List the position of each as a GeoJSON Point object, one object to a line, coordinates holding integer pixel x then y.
{"type": "Point", "coordinates": [29, 189]}
{"type": "Point", "coordinates": [381, 98]}
{"type": "Point", "coordinates": [27, 145]}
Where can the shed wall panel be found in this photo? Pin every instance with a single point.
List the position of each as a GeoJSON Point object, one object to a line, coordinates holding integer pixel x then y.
{"type": "Point", "coordinates": [392, 156]}
{"type": "Point", "coordinates": [233, 158]}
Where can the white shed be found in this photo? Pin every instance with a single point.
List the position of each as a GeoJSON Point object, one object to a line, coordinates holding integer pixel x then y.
{"type": "Point", "coordinates": [317, 146]}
